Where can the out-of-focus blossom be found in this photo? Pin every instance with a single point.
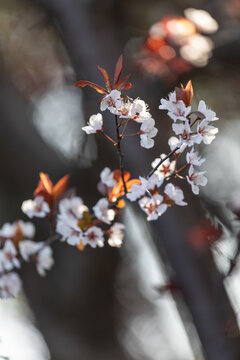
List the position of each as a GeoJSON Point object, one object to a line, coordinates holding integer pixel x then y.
{"type": "Point", "coordinates": [37, 207]}
{"type": "Point", "coordinates": [175, 194]}
{"type": "Point", "coordinates": [9, 258]}
{"type": "Point", "coordinates": [147, 132]}
{"type": "Point", "coordinates": [107, 177]}
{"type": "Point", "coordinates": [94, 237]}
{"type": "Point", "coordinates": [193, 158]}
{"type": "Point", "coordinates": [69, 229]}
{"type": "Point", "coordinates": [137, 190]}
{"type": "Point", "coordinates": [197, 50]}
{"type": "Point", "coordinates": [39, 253]}
{"type": "Point", "coordinates": [202, 20]}
{"type": "Point", "coordinates": [72, 207]}
{"type": "Point", "coordinates": [10, 285]}
{"type": "Point", "coordinates": [196, 179]}
{"type": "Point", "coordinates": [116, 235]}
{"type": "Point", "coordinates": [102, 212]}
{"type": "Point", "coordinates": [153, 207]}
{"type": "Point", "coordinates": [94, 125]}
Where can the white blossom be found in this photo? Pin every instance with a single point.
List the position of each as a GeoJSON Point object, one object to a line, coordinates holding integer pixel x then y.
{"type": "Point", "coordinates": [139, 111]}
{"type": "Point", "coordinates": [185, 133]}
{"type": "Point", "coordinates": [209, 115]}
{"type": "Point", "coordinates": [177, 110]}
{"type": "Point", "coordinates": [42, 255]}
{"type": "Point", "coordinates": [165, 169]}
{"type": "Point", "coordinates": [44, 260]}
{"type": "Point", "coordinates": [195, 179]}
{"type": "Point", "coordinates": [147, 132]}
{"type": "Point", "coordinates": [206, 132]}
{"type": "Point", "coordinates": [9, 258]}
{"type": "Point", "coordinates": [175, 194]}
{"type": "Point", "coordinates": [37, 207]}
{"type": "Point", "coordinates": [102, 212]}
{"type": "Point", "coordinates": [10, 285]}
{"type": "Point", "coordinates": [111, 101]}
{"type": "Point", "coordinates": [193, 158]}
{"type": "Point", "coordinates": [69, 229]}
{"type": "Point", "coordinates": [94, 125]}
{"type": "Point", "coordinates": [137, 190]}
{"type": "Point", "coordinates": [107, 177]}
{"type": "Point", "coordinates": [94, 237]}
{"type": "Point", "coordinates": [173, 142]}
{"type": "Point", "coordinates": [116, 235]}
{"type": "Point", "coordinates": [72, 207]}
{"type": "Point", "coordinates": [153, 206]}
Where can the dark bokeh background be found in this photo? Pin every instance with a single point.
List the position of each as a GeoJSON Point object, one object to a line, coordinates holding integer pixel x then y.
{"type": "Point", "coordinates": [103, 303]}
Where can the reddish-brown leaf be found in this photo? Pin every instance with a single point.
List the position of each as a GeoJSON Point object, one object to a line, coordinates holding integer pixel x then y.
{"type": "Point", "coordinates": [127, 86]}
{"type": "Point", "coordinates": [105, 78]}
{"type": "Point", "coordinates": [185, 94]}
{"type": "Point", "coordinates": [120, 85]}
{"type": "Point", "coordinates": [60, 187]}
{"type": "Point", "coordinates": [98, 88]}
{"type": "Point", "coordinates": [118, 70]}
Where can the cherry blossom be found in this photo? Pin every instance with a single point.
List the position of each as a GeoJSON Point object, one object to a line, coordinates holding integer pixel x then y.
{"type": "Point", "coordinates": [107, 177]}
{"type": "Point", "coordinates": [94, 237]}
{"type": "Point", "coordinates": [193, 158]}
{"type": "Point", "coordinates": [177, 110]}
{"type": "Point", "coordinates": [175, 194]}
{"type": "Point", "coordinates": [139, 111]}
{"type": "Point", "coordinates": [116, 235]}
{"type": "Point", "coordinates": [94, 125]}
{"type": "Point", "coordinates": [165, 169]}
{"type": "Point", "coordinates": [209, 115]}
{"type": "Point", "coordinates": [174, 142]}
{"type": "Point", "coordinates": [10, 285]}
{"type": "Point", "coordinates": [37, 207]}
{"type": "Point", "coordinates": [69, 229]}
{"type": "Point", "coordinates": [185, 133]}
{"type": "Point", "coordinates": [137, 190]}
{"type": "Point", "coordinates": [9, 258]}
{"type": "Point", "coordinates": [102, 212]}
{"type": "Point", "coordinates": [41, 253]}
{"type": "Point", "coordinates": [195, 179]}
{"type": "Point", "coordinates": [206, 132]}
{"type": "Point", "coordinates": [111, 101]}
{"type": "Point", "coordinates": [72, 207]}
{"type": "Point", "coordinates": [147, 132]}
{"type": "Point", "coordinates": [44, 260]}
{"type": "Point", "coordinates": [153, 207]}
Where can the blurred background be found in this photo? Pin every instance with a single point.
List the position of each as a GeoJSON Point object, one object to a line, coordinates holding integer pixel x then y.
{"type": "Point", "coordinates": [172, 291]}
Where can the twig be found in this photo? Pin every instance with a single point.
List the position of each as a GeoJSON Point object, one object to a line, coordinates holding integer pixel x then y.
{"type": "Point", "coordinates": [162, 161]}
{"type": "Point", "coordinates": [120, 154]}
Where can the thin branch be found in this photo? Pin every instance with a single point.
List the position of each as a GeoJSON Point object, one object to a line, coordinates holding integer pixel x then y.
{"type": "Point", "coordinates": [120, 154]}
{"type": "Point", "coordinates": [162, 161]}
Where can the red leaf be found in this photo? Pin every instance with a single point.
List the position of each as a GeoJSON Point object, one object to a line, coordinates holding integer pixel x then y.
{"type": "Point", "coordinates": [127, 86]}
{"type": "Point", "coordinates": [118, 70]}
{"type": "Point", "coordinates": [105, 78]}
{"type": "Point", "coordinates": [60, 187]}
{"type": "Point", "coordinates": [96, 87]}
{"type": "Point", "coordinates": [120, 84]}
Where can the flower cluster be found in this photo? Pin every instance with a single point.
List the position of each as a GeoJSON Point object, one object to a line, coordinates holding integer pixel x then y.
{"type": "Point", "coordinates": [17, 248]}
{"type": "Point", "coordinates": [73, 222]}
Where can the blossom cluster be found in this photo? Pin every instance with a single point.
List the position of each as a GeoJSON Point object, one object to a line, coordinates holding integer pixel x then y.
{"type": "Point", "coordinates": [71, 220]}
{"type": "Point", "coordinates": [17, 246]}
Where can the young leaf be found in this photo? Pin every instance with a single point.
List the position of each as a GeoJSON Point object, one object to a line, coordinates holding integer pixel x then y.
{"type": "Point", "coordinates": [118, 70]}
{"type": "Point", "coordinates": [105, 78]}
{"type": "Point", "coordinates": [98, 88]}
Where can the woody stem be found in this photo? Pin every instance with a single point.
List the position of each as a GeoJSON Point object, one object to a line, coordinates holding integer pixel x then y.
{"type": "Point", "coordinates": [120, 153]}
{"type": "Point", "coordinates": [162, 161]}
